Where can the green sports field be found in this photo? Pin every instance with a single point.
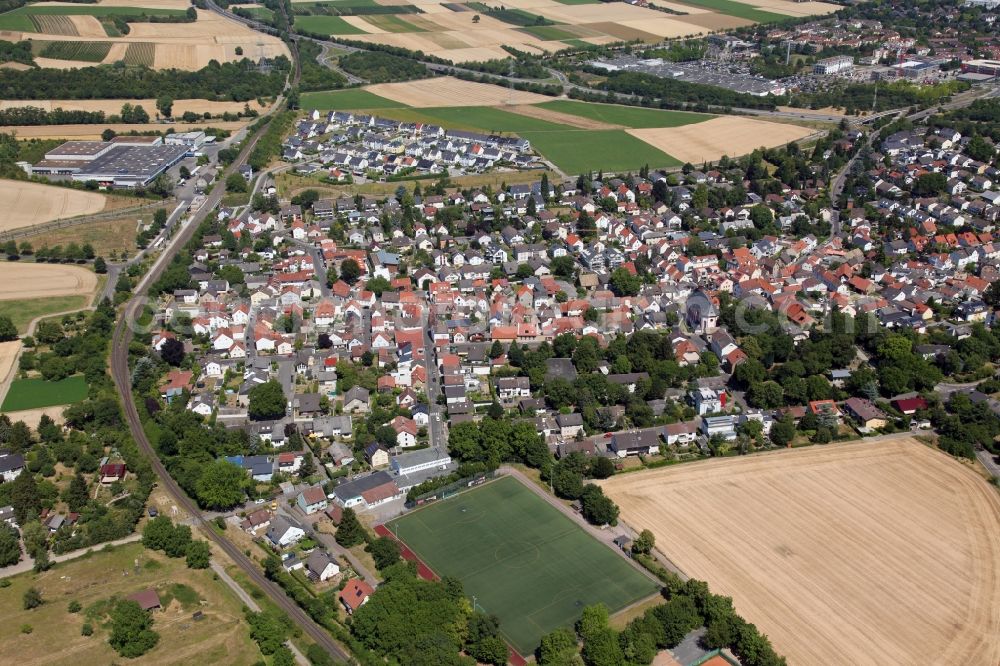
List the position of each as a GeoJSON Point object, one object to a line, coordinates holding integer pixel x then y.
{"type": "Point", "coordinates": [35, 393]}
{"type": "Point", "coordinates": [523, 560]}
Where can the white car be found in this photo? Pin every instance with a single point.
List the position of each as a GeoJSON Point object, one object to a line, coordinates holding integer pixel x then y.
{"type": "Point", "coordinates": [260, 501]}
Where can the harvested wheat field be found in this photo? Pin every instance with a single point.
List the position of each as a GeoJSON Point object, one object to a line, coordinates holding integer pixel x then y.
{"type": "Point", "coordinates": [32, 417]}
{"type": "Point", "coordinates": [19, 280]}
{"type": "Point", "coordinates": [866, 553]}
{"type": "Point", "coordinates": [25, 204]}
{"type": "Point", "coordinates": [114, 106]}
{"type": "Point", "coordinates": [725, 135]}
{"type": "Point", "coordinates": [449, 91]}
{"type": "Point", "coordinates": [93, 132]}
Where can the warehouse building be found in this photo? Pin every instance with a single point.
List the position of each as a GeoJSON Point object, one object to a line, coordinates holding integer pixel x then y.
{"type": "Point", "coordinates": [124, 162]}
{"type": "Point", "coordinates": [833, 65]}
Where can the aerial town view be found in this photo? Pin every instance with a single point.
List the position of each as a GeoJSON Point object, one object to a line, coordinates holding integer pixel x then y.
{"type": "Point", "coordinates": [565, 332]}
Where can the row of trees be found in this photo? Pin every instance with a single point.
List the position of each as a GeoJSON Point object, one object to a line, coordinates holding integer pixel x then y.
{"type": "Point", "coordinates": [235, 81]}
{"type": "Point", "coordinates": [175, 541]}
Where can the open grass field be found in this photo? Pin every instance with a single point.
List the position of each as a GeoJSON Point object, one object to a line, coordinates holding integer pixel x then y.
{"type": "Point", "coordinates": [626, 116]}
{"type": "Point", "coordinates": [580, 151]}
{"type": "Point", "coordinates": [737, 9]}
{"type": "Point", "coordinates": [221, 637]}
{"type": "Point", "coordinates": [105, 236]}
{"type": "Point", "coordinates": [93, 132]}
{"type": "Point", "coordinates": [25, 203]}
{"type": "Point", "coordinates": [25, 280]}
{"type": "Point", "coordinates": [22, 311]}
{"type": "Point", "coordinates": [865, 553]}
{"type": "Point", "coordinates": [524, 560]}
{"type": "Point", "coordinates": [24, 18]}
{"type": "Point", "coordinates": [35, 393]}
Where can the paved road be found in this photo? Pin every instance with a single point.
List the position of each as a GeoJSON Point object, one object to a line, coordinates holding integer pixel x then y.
{"type": "Point", "coordinates": [989, 461]}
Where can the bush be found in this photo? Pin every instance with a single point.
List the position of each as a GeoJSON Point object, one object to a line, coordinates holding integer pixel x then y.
{"type": "Point", "coordinates": [26, 629]}
{"type": "Point", "coordinates": [86, 629]}
{"type": "Point", "coordinates": [74, 606]}
{"type": "Point", "coordinates": [32, 598]}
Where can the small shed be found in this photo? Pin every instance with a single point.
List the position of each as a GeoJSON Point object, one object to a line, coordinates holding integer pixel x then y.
{"type": "Point", "coordinates": [147, 599]}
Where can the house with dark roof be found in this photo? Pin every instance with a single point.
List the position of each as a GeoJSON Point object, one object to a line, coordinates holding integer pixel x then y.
{"type": "Point", "coordinates": [11, 465]}
{"type": "Point", "coordinates": [636, 442]}
{"type": "Point", "coordinates": [367, 491]}
{"type": "Point", "coordinates": [147, 599]}
{"type": "Point", "coordinates": [865, 413]}
{"type": "Point", "coordinates": [321, 566]}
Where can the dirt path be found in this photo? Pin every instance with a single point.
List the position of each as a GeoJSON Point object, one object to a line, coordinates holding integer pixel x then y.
{"type": "Point", "coordinates": [559, 117]}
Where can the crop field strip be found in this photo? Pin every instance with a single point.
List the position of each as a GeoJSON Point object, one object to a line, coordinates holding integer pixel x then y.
{"type": "Point", "coordinates": [329, 25]}
{"type": "Point", "coordinates": [140, 53]}
{"type": "Point", "coordinates": [523, 559]}
{"type": "Point", "coordinates": [82, 51]}
{"type": "Point", "coordinates": [737, 9]}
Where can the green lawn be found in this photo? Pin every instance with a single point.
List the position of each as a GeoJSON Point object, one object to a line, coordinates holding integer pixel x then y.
{"type": "Point", "coordinates": [34, 393]}
{"type": "Point", "coordinates": [22, 311]}
{"type": "Point", "coordinates": [738, 9]}
{"type": "Point", "coordinates": [580, 151]}
{"type": "Point", "coordinates": [346, 100]}
{"type": "Point", "coordinates": [523, 560]}
{"type": "Point", "coordinates": [577, 43]}
{"type": "Point", "coordinates": [548, 32]}
{"type": "Point", "coordinates": [262, 13]}
{"type": "Point", "coordinates": [629, 116]}
{"type": "Point", "coordinates": [490, 119]}
{"type": "Point", "coordinates": [327, 25]}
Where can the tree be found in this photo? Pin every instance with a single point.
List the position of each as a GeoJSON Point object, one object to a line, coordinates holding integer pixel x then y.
{"type": "Point", "coordinates": [10, 546]}
{"type": "Point", "coordinates": [350, 532]}
{"type": "Point", "coordinates": [32, 598]}
{"type": "Point", "coordinates": [236, 183]}
{"type": "Point", "coordinates": [645, 543]}
{"type": "Point", "coordinates": [165, 105]}
{"type": "Point", "coordinates": [172, 351]}
{"type": "Point", "coordinates": [783, 431]}
{"type": "Point", "coordinates": [267, 401]}
{"type": "Point", "coordinates": [100, 266]}
{"type": "Point", "coordinates": [624, 283]}
{"type": "Point", "coordinates": [24, 498]}
{"type": "Point", "coordinates": [8, 331]}
{"type": "Point", "coordinates": [603, 649]}
{"type": "Point", "coordinates": [593, 618]}
{"type": "Point", "coordinates": [157, 532]}
{"type": "Point", "coordinates": [678, 616]}
{"type": "Point", "coordinates": [483, 641]}
{"type": "Point", "coordinates": [197, 555]}
{"type": "Point", "coordinates": [131, 633]}
{"type": "Point", "coordinates": [556, 647]}
{"type": "Point", "coordinates": [350, 271]}
{"type": "Point", "coordinates": [222, 485]}
{"type": "Point", "coordinates": [317, 656]}
{"type": "Point", "coordinates": [331, 275]}
{"type": "Point", "coordinates": [598, 508]}
{"type": "Point", "coordinates": [930, 184]}
{"type": "Point", "coordinates": [384, 551]}
{"type": "Point", "coordinates": [76, 495]}
{"type": "Point", "coordinates": [601, 467]}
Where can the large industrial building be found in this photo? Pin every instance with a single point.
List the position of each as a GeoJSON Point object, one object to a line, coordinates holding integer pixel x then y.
{"type": "Point", "coordinates": [123, 162]}
{"type": "Point", "coordinates": [988, 67]}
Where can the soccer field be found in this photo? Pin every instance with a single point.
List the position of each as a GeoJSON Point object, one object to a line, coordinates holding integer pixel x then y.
{"type": "Point", "coordinates": [522, 559]}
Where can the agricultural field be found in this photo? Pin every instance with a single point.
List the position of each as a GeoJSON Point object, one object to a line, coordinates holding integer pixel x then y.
{"type": "Point", "coordinates": [523, 560]}
{"type": "Point", "coordinates": [448, 30]}
{"type": "Point", "coordinates": [870, 552]}
{"type": "Point", "coordinates": [725, 135]}
{"type": "Point", "coordinates": [92, 132]}
{"type": "Point", "coordinates": [186, 46]}
{"type": "Point", "coordinates": [82, 51]}
{"type": "Point", "coordinates": [25, 203]}
{"type": "Point", "coordinates": [29, 280]}
{"type": "Point", "coordinates": [222, 636]}
{"type": "Point", "coordinates": [34, 393]}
